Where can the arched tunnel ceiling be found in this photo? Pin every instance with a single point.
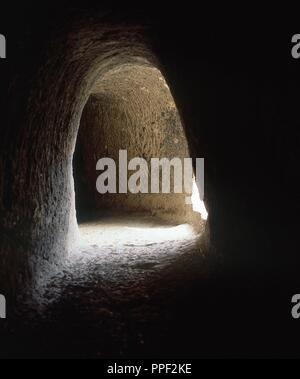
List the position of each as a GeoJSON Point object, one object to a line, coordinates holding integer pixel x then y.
{"type": "Point", "coordinates": [37, 201]}
{"type": "Point", "coordinates": [131, 109]}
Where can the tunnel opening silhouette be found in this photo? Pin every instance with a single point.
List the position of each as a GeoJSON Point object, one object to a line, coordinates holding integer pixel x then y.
{"type": "Point", "coordinates": [90, 97]}
{"type": "Point", "coordinates": [131, 109]}
{"type": "Point", "coordinates": [69, 72]}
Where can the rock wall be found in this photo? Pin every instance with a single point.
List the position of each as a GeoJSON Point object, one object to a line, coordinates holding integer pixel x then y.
{"type": "Point", "coordinates": [236, 91]}
{"type": "Point", "coordinates": [44, 108]}
{"type": "Point", "coordinates": [131, 109]}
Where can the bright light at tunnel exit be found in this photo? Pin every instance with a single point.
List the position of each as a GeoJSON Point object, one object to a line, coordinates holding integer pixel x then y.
{"type": "Point", "coordinates": [116, 232]}
{"type": "Point", "coordinates": [198, 204]}
{"type": "Point", "coordinates": [140, 233]}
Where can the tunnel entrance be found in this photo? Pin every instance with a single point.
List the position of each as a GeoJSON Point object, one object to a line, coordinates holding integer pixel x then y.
{"type": "Point", "coordinates": [127, 241]}
{"type": "Point", "coordinates": [131, 109]}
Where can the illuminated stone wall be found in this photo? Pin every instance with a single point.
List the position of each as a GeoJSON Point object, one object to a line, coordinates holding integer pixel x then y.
{"type": "Point", "coordinates": [131, 109]}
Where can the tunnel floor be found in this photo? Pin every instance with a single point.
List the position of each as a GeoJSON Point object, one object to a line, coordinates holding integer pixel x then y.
{"type": "Point", "coordinates": [153, 294]}
{"type": "Point", "coordinates": [116, 295]}
{"type": "Point", "coordinates": [119, 253]}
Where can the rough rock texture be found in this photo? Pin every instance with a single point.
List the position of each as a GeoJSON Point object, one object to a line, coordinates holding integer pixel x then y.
{"type": "Point", "coordinates": [106, 299]}
{"type": "Point", "coordinates": [37, 195]}
{"type": "Point", "coordinates": [237, 92]}
{"type": "Point", "coordinates": [131, 109]}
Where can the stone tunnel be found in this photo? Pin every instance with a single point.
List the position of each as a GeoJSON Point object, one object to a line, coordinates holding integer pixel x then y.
{"type": "Point", "coordinates": [95, 81]}
{"type": "Point", "coordinates": [131, 109]}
